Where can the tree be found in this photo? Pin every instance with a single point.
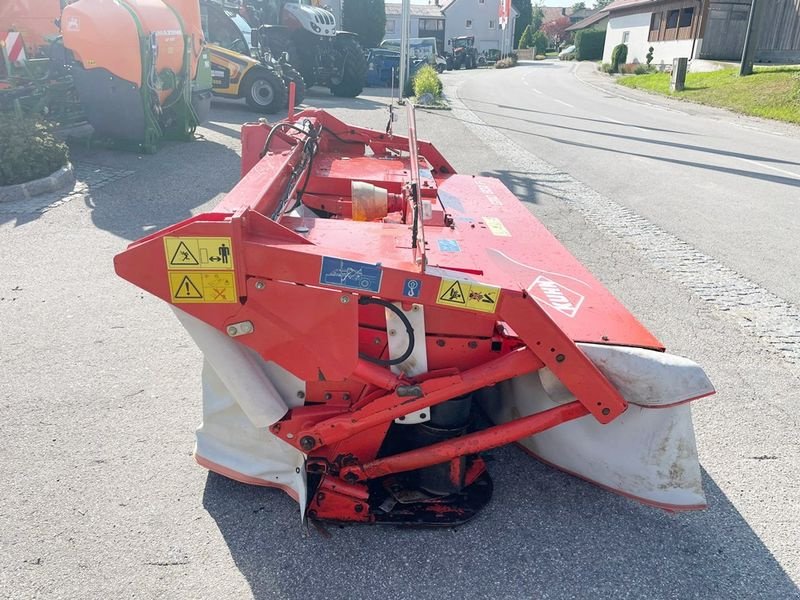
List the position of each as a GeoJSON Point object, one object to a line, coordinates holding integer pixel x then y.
{"type": "Point", "coordinates": [537, 18]}
{"type": "Point", "coordinates": [602, 3]}
{"type": "Point", "coordinates": [526, 40]}
{"type": "Point", "coordinates": [367, 18]}
{"type": "Point", "coordinates": [556, 31]}
{"type": "Point", "coordinates": [523, 8]}
{"type": "Point", "coordinates": [578, 6]}
{"type": "Point", "coordinates": [539, 42]}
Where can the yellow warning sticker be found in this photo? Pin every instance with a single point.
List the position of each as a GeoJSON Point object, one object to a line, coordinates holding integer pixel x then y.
{"type": "Point", "coordinates": [467, 294]}
{"type": "Point", "coordinates": [198, 253]}
{"type": "Point", "coordinates": [202, 288]}
{"type": "Point", "coordinates": [496, 226]}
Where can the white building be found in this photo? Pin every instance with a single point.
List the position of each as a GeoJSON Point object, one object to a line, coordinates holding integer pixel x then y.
{"type": "Point", "coordinates": [477, 18]}
{"type": "Point", "coordinates": [672, 28]}
{"type": "Point", "coordinates": [426, 20]}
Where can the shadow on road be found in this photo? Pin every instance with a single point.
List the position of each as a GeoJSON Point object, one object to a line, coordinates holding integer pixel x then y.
{"type": "Point", "coordinates": [545, 534]}
{"type": "Point", "coordinates": [779, 179]}
{"type": "Point", "coordinates": [647, 140]}
{"type": "Point", "coordinates": [552, 114]}
{"type": "Point", "coordinates": [164, 189]}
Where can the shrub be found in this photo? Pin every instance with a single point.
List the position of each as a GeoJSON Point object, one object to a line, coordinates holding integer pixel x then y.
{"type": "Point", "coordinates": [539, 42]}
{"type": "Point", "coordinates": [28, 150]}
{"type": "Point", "coordinates": [649, 56]}
{"type": "Point", "coordinates": [606, 68]}
{"type": "Point", "coordinates": [427, 81]}
{"type": "Point", "coordinates": [640, 70]}
{"type": "Point", "coordinates": [618, 57]}
{"type": "Point", "coordinates": [589, 44]}
{"type": "Point", "coordinates": [504, 63]}
{"type": "Point", "coordinates": [526, 41]}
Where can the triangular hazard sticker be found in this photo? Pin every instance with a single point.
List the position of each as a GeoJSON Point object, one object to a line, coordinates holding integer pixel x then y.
{"type": "Point", "coordinates": [187, 289]}
{"type": "Point", "coordinates": [454, 294]}
{"type": "Point", "coordinates": [183, 256]}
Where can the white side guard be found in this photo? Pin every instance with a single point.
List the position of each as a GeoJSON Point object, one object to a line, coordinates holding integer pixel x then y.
{"type": "Point", "coordinates": [242, 396]}
{"type": "Point", "coordinates": [648, 453]}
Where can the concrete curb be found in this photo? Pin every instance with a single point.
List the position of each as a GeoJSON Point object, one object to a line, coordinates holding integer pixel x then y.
{"type": "Point", "coordinates": [60, 179]}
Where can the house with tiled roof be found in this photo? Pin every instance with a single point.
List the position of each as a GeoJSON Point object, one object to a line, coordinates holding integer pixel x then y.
{"type": "Point", "coordinates": [595, 20]}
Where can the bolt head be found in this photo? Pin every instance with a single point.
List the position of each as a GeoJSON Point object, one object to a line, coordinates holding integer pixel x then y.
{"type": "Point", "coordinates": [345, 299]}
{"type": "Point", "coordinates": [307, 443]}
{"type": "Point", "coordinates": [260, 285]}
{"type": "Point", "coordinates": [232, 330]}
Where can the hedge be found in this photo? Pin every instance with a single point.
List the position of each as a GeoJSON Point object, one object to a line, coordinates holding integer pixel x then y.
{"type": "Point", "coordinates": [589, 44]}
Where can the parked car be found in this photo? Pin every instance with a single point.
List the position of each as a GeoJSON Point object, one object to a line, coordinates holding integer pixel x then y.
{"type": "Point", "coordinates": [488, 57]}
{"type": "Point", "coordinates": [567, 53]}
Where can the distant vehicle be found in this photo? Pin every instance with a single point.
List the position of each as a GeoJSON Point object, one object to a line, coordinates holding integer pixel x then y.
{"type": "Point", "coordinates": [464, 53]}
{"type": "Point", "coordinates": [567, 53]}
{"type": "Point", "coordinates": [420, 48]}
{"type": "Point", "coordinates": [489, 57]}
{"type": "Point", "coordinates": [383, 67]}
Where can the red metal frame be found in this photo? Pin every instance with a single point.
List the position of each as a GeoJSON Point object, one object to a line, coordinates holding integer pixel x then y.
{"type": "Point", "coordinates": [316, 329]}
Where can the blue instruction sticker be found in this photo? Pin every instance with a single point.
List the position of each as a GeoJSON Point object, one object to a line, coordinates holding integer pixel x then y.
{"type": "Point", "coordinates": [411, 288]}
{"type": "Point", "coordinates": [351, 274]}
{"type": "Point", "coordinates": [449, 246]}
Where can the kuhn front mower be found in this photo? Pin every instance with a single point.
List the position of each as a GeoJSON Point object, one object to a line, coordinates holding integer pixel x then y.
{"type": "Point", "coordinates": [372, 322]}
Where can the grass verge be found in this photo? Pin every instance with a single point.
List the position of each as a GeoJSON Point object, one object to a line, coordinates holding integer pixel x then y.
{"type": "Point", "coordinates": [771, 92]}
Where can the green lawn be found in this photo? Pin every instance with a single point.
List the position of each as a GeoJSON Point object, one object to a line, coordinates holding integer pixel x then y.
{"type": "Point", "coordinates": [771, 92]}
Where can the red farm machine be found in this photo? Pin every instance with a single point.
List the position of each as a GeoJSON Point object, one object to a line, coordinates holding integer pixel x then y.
{"type": "Point", "coordinates": [372, 322]}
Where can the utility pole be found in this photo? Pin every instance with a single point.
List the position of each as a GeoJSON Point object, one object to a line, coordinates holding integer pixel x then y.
{"type": "Point", "coordinates": [757, 11]}
{"type": "Point", "coordinates": [405, 19]}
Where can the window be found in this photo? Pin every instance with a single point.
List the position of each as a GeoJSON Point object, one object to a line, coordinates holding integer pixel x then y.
{"type": "Point", "coordinates": [672, 18]}
{"type": "Point", "coordinates": [626, 36]}
{"type": "Point", "coordinates": [676, 24]}
{"type": "Point", "coordinates": [491, 24]}
{"type": "Point", "coordinates": [430, 25]}
{"type": "Point", "coordinates": [655, 22]}
{"type": "Point", "coordinates": [389, 25]}
{"type": "Point", "coordinates": [468, 24]}
{"type": "Point", "coordinates": [687, 14]}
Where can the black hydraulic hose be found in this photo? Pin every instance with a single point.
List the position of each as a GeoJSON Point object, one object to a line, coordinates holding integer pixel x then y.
{"type": "Point", "coordinates": [406, 323]}
{"type": "Point", "coordinates": [276, 127]}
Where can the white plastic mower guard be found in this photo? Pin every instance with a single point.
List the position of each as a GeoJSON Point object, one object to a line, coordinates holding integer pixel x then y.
{"type": "Point", "coordinates": [648, 453]}
{"type": "Point", "coordinates": [242, 396]}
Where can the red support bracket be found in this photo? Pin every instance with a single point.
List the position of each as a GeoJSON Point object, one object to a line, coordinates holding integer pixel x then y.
{"type": "Point", "coordinates": [472, 443]}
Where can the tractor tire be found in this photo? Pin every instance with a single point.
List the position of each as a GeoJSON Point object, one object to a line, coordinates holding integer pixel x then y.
{"type": "Point", "coordinates": [264, 91]}
{"type": "Point", "coordinates": [292, 76]}
{"type": "Point", "coordinates": [354, 70]}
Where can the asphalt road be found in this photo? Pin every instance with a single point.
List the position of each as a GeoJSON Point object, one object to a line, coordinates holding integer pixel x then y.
{"type": "Point", "coordinates": [99, 386]}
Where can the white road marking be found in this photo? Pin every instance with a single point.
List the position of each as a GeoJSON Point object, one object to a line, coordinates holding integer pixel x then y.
{"type": "Point", "coordinates": [562, 102]}
{"type": "Point", "coordinates": [626, 124]}
{"type": "Point", "coordinates": [760, 164]}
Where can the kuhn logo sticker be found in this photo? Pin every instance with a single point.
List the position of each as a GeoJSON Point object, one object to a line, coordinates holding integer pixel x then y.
{"type": "Point", "coordinates": [564, 300]}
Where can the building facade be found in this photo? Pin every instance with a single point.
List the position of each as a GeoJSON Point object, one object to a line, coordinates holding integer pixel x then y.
{"type": "Point", "coordinates": [713, 30]}
{"type": "Point", "coordinates": [479, 18]}
{"type": "Point", "coordinates": [671, 27]}
{"type": "Point", "coordinates": [426, 20]}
